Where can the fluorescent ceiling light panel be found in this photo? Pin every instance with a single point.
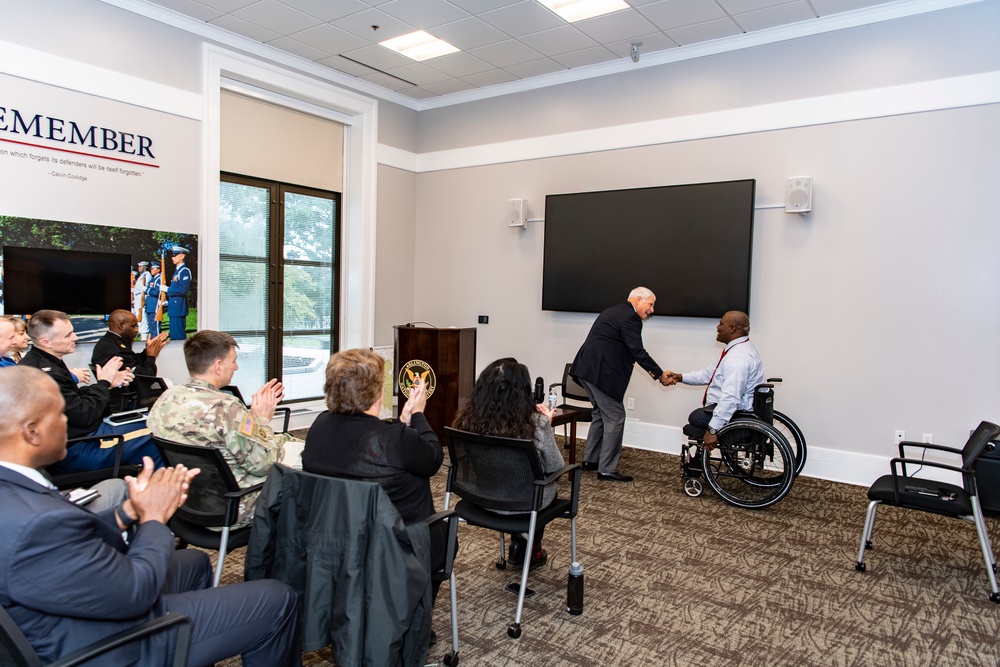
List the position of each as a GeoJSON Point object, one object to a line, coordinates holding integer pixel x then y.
{"type": "Point", "coordinates": [577, 10]}
{"type": "Point", "coordinates": [419, 45]}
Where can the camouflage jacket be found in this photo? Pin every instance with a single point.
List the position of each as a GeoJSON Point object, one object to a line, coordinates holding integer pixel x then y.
{"type": "Point", "coordinates": [197, 413]}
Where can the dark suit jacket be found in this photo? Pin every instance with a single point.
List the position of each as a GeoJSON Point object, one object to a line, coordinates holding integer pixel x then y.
{"type": "Point", "coordinates": [68, 579]}
{"type": "Point", "coordinates": [85, 406]}
{"type": "Point", "coordinates": [612, 346]}
{"type": "Point", "coordinates": [113, 345]}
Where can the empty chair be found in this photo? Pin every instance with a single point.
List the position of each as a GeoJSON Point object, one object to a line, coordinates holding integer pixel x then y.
{"type": "Point", "coordinates": [572, 390]}
{"type": "Point", "coordinates": [493, 473]}
{"type": "Point", "coordinates": [900, 489]}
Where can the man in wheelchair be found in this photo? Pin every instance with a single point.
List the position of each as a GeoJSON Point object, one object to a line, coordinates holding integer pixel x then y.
{"type": "Point", "coordinates": [730, 382]}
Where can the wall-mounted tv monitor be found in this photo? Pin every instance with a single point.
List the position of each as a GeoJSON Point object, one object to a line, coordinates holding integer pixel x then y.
{"type": "Point", "coordinates": [690, 244]}
{"type": "Point", "coordinates": [75, 282]}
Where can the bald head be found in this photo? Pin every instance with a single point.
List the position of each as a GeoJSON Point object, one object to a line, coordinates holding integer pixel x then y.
{"type": "Point", "coordinates": [123, 323]}
{"type": "Point", "coordinates": [733, 325]}
{"type": "Point", "coordinates": [33, 432]}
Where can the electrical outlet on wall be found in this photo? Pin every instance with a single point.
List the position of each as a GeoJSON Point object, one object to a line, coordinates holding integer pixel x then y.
{"type": "Point", "coordinates": [928, 438]}
{"type": "Point", "coordinates": [900, 436]}
{"type": "Point", "coordinates": [630, 404]}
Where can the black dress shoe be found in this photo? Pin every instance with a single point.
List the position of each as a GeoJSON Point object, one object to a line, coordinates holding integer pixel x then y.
{"type": "Point", "coordinates": [614, 477]}
{"type": "Point", "coordinates": [590, 467]}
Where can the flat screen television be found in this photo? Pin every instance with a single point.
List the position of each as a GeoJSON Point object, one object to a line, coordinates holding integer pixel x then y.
{"type": "Point", "coordinates": [690, 244]}
{"type": "Point", "coordinates": [75, 282]}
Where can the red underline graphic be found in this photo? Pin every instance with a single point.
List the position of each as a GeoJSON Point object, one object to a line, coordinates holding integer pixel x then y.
{"type": "Point", "coordinates": [66, 150]}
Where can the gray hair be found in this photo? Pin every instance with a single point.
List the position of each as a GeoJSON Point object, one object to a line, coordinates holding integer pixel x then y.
{"type": "Point", "coordinates": [641, 293]}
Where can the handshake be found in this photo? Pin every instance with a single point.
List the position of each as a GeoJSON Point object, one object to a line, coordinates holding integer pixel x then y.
{"type": "Point", "coordinates": [670, 378]}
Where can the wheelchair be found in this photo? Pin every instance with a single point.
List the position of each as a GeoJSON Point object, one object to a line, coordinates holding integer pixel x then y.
{"type": "Point", "coordinates": [754, 464]}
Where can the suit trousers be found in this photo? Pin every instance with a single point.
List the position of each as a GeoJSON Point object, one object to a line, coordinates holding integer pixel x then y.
{"type": "Point", "coordinates": [604, 438]}
{"type": "Point", "coordinates": [255, 619]}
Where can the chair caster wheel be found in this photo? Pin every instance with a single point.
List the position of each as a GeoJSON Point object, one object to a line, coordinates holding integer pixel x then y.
{"type": "Point", "coordinates": [995, 597]}
{"type": "Point", "coordinates": [450, 659]}
{"type": "Point", "coordinates": [869, 545]}
{"type": "Point", "coordinates": [501, 564]}
{"type": "Point", "coordinates": [514, 630]}
{"type": "Point", "coordinates": [692, 487]}
{"type": "Point", "coordinates": [860, 567]}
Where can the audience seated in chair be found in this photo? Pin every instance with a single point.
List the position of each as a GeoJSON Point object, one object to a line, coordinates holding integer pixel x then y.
{"type": "Point", "coordinates": [502, 405]}
{"type": "Point", "coordinates": [21, 341]}
{"type": "Point", "coordinates": [117, 342]}
{"type": "Point", "coordinates": [730, 381]}
{"type": "Point", "coordinates": [68, 579]}
{"type": "Point", "coordinates": [350, 441]}
{"type": "Point", "coordinates": [53, 338]}
{"type": "Point", "coordinates": [197, 413]}
{"type": "Point", "coordinates": [8, 338]}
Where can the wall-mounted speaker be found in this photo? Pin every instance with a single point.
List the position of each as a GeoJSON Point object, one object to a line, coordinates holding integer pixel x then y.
{"type": "Point", "coordinates": [517, 213]}
{"type": "Point", "coordinates": [798, 194]}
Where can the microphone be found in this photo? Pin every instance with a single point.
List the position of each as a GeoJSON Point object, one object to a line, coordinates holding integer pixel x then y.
{"type": "Point", "coordinates": [539, 390]}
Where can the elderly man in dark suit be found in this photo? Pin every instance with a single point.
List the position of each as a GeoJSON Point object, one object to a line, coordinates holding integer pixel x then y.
{"type": "Point", "coordinates": [68, 579]}
{"type": "Point", "coordinates": [603, 366]}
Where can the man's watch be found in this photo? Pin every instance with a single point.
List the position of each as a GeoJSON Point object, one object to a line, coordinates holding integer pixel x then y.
{"type": "Point", "coordinates": [713, 431]}
{"type": "Point", "coordinates": [127, 521]}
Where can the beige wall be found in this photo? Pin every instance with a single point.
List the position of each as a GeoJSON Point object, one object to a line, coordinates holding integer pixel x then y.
{"type": "Point", "coordinates": [398, 263]}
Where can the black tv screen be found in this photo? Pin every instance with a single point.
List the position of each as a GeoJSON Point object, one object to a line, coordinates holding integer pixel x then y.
{"type": "Point", "coordinates": [690, 244]}
{"type": "Point", "coordinates": [75, 282]}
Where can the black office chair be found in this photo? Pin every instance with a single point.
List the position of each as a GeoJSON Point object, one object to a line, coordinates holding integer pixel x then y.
{"type": "Point", "coordinates": [77, 478]}
{"type": "Point", "coordinates": [147, 390]}
{"type": "Point", "coordinates": [213, 501]}
{"type": "Point", "coordinates": [314, 532]}
{"type": "Point", "coordinates": [506, 474]}
{"type": "Point", "coordinates": [928, 495]}
{"type": "Point", "coordinates": [286, 411]}
{"type": "Point", "coordinates": [16, 651]}
{"type": "Point", "coordinates": [571, 390]}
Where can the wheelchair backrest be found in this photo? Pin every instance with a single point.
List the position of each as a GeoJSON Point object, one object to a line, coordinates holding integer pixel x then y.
{"type": "Point", "coordinates": [763, 402]}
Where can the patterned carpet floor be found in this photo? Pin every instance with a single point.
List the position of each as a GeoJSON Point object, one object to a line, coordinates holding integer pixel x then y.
{"type": "Point", "coordinates": [674, 580]}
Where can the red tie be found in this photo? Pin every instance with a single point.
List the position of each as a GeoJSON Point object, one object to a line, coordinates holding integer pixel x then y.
{"type": "Point", "coordinates": [704, 398]}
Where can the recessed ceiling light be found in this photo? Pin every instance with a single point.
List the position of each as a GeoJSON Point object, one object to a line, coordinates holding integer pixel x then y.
{"type": "Point", "coordinates": [577, 10]}
{"type": "Point", "coordinates": [419, 45]}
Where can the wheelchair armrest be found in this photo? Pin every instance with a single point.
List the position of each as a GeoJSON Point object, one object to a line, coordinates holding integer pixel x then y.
{"type": "Point", "coordinates": [151, 627]}
{"type": "Point", "coordinates": [774, 379]}
{"type": "Point", "coordinates": [926, 445]}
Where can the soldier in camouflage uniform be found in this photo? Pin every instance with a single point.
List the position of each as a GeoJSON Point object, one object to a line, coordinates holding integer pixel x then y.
{"type": "Point", "coordinates": [197, 413]}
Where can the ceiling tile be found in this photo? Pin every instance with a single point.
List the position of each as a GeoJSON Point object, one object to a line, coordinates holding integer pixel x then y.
{"type": "Point", "coordinates": [535, 68]}
{"type": "Point", "coordinates": [423, 14]}
{"type": "Point", "coordinates": [361, 25]}
{"type": "Point", "coordinates": [522, 18]}
{"type": "Point", "coordinates": [671, 14]}
{"type": "Point", "coordinates": [592, 56]}
{"type": "Point", "coordinates": [480, 6]}
{"type": "Point", "coordinates": [459, 64]}
{"type": "Point", "coordinates": [327, 10]}
{"type": "Point", "coordinates": [190, 8]}
{"type": "Point", "coordinates": [491, 78]}
{"type": "Point", "coordinates": [744, 6]}
{"type": "Point", "coordinates": [827, 7]}
{"type": "Point", "coordinates": [625, 24]}
{"type": "Point", "coordinates": [225, 6]}
{"type": "Point", "coordinates": [448, 87]}
{"type": "Point", "coordinates": [275, 16]}
{"type": "Point", "coordinates": [331, 39]}
{"type": "Point", "coordinates": [506, 53]}
{"type": "Point", "coordinates": [650, 44]}
{"type": "Point", "coordinates": [793, 12]}
{"type": "Point", "coordinates": [419, 93]}
{"type": "Point", "coordinates": [386, 81]}
{"type": "Point", "coordinates": [468, 33]}
{"type": "Point", "coordinates": [378, 57]}
{"type": "Point", "coordinates": [419, 74]}
{"type": "Point", "coordinates": [563, 39]}
{"type": "Point", "coordinates": [245, 28]}
{"type": "Point", "coordinates": [703, 32]}
{"type": "Point", "coordinates": [299, 49]}
{"type": "Point", "coordinates": [346, 66]}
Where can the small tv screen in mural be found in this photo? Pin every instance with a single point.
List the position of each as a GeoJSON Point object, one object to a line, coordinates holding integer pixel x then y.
{"type": "Point", "coordinates": [73, 281]}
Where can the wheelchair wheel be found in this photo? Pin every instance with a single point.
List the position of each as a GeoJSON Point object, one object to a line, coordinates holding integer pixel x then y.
{"type": "Point", "coordinates": [793, 434]}
{"type": "Point", "coordinates": [752, 466]}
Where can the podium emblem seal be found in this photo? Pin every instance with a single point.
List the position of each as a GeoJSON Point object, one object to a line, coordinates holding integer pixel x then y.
{"type": "Point", "coordinates": [413, 369]}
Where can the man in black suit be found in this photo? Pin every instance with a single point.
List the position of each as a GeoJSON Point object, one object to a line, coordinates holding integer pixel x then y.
{"type": "Point", "coordinates": [117, 342]}
{"type": "Point", "coordinates": [68, 579]}
{"type": "Point", "coordinates": [603, 366]}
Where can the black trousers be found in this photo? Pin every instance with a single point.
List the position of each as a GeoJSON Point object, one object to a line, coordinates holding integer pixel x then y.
{"type": "Point", "coordinates": [700, 417]}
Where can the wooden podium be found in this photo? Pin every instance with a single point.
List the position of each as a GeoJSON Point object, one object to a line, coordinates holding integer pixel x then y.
{"type": "Point", "coordinates": [446, 359]}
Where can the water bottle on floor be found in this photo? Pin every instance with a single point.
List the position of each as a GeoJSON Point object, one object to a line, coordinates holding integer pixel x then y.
{"type": "Point", "coordinates": [574, 589]}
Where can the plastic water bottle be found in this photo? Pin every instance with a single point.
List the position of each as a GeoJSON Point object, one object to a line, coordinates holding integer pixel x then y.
{"type": "Point", "coordinates": [553, 399]}
{"type": "Point", "coordinates": [574, 589]}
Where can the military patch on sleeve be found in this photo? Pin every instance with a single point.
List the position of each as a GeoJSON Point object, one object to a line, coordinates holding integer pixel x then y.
{"type": "Point", "coordinates": [247, 428]}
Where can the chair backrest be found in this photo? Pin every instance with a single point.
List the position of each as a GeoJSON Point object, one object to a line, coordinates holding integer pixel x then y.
{"type": "Point", "coordinates": [977, 443]}
{"type": "Point", "coordinates": [572, 389]}
{"type": "Point", "coordinates": [235, 391]}
{"type": "Point", "coordinates": [206, 503]}
{"type": "Point", "coordinates": [494, 472]}
{"type": "Point", "coordinates": [148, 389]}
{"type": "Point", "coordinates": [15, 649]}
{"type": "Point", "coordinates": [763, 402]}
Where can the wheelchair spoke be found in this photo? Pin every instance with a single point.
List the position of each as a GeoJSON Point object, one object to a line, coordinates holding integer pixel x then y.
{"type": "Point", "coordinates": [753, 465]}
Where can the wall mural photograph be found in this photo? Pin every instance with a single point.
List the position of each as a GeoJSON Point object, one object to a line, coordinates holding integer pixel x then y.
{"type": "Point", "coordinates": [88, 271]}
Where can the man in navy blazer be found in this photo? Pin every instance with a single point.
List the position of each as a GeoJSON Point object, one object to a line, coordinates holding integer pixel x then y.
{"type": "Point", "coordinates": [603, 366]}
{"type": "Point", "coordinates": [69, 579]}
